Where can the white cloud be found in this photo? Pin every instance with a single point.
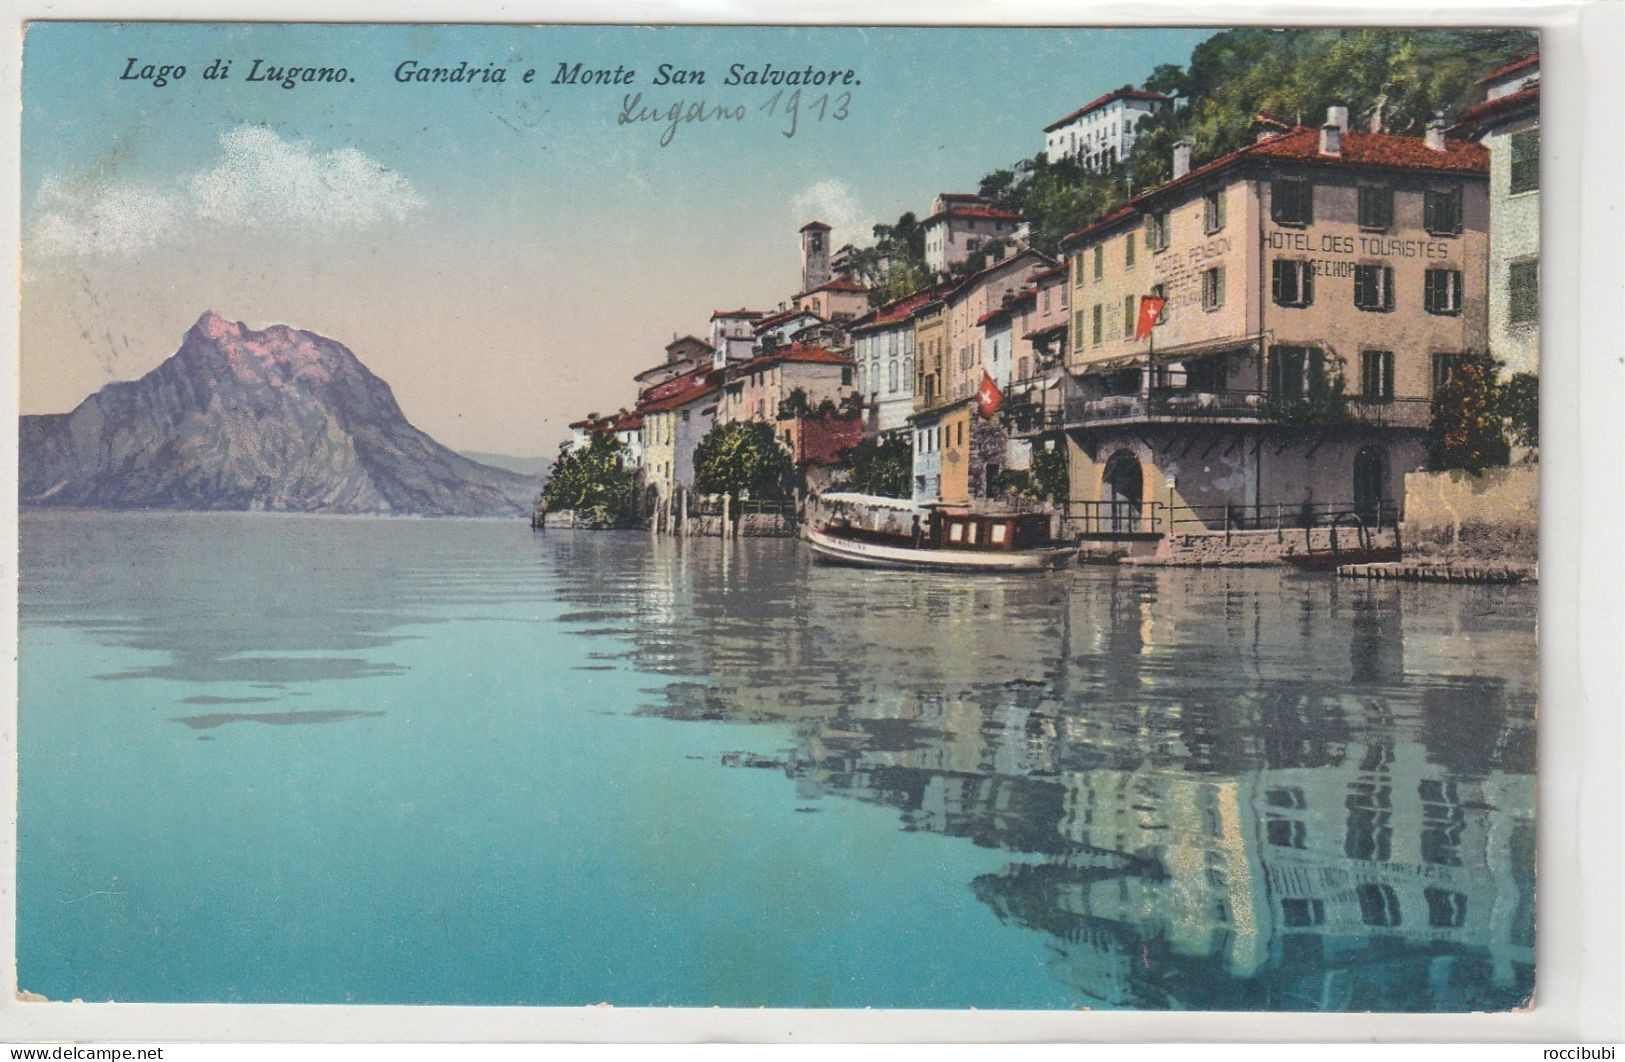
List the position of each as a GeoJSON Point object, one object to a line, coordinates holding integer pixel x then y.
{"type": "Point", "coordinates": [259, 182]}
{"type": "Point", "coordinates": [102, 219]}
{"type": "Point", "coordinates": [833, 202]}
{"type": "Point", "coordinates": [264, 182]}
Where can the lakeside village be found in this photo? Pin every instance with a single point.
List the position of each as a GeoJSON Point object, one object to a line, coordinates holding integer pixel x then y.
{"type": "Point", "coordinates": [1329, 332]}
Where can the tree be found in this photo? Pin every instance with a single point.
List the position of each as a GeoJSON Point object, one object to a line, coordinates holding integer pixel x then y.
{"type": "Point", "coordinates": [1466, 430]}
{"type": "Point", "coordinates": [594, 483]}
{"type": "Point", "coordinates": [1048, 477]}
{"type": "Point", "coordinates": [883, 466]}
{"type": "Point", "coordinates": [1520, 407]}
{"type": "Point", "coordinates": [740, 458]}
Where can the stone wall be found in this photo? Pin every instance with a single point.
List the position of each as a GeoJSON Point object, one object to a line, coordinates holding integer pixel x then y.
{"type": "Point", "coordinates": [1492, 516]}
{"type": "Point", "coordinates": [1255, 548]}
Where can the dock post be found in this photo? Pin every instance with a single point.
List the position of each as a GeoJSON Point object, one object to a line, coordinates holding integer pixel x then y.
{"type": "Point", "coordinates": [683, 514]}
{"type": "Point", "coordinates": [727, 516]}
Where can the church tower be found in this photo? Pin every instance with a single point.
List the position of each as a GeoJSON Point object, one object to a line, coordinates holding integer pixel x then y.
{"type": "Point", "coordinates": [814, 255]}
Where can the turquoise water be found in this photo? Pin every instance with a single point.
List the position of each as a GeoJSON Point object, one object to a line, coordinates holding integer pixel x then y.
{"type": "Point", "coordinates": [293, 759]}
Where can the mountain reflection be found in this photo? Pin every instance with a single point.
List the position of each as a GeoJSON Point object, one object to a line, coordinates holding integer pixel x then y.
{"type": "Point", "coordinates": [1219, 789]}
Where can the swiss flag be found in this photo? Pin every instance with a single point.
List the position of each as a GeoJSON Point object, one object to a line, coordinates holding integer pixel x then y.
{"type": "Point", "coordinates": [988, 396]}
{"type": "Point", "coordinates": [1150, 309]}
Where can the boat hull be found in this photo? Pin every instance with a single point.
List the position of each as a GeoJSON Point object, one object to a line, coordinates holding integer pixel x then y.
{"type": "Point", "coordinates": [833, 549]}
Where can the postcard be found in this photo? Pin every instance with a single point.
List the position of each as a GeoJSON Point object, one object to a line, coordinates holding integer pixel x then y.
{"type": "Point", "coordinates": [793, 517]}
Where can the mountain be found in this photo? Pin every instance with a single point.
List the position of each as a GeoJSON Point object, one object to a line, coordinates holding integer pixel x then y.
{"type": "Point", "coordinates": [281, 420]}
{"type": "Point", "coordinates": [527, 466]}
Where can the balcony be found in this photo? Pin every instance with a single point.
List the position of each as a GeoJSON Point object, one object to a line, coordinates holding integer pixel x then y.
{"type": "Point", "coordinates": [1175, 406]}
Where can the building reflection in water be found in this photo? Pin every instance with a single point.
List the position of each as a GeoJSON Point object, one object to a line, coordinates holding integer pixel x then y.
{"type": "Point", "coordinates": [1219, 789]}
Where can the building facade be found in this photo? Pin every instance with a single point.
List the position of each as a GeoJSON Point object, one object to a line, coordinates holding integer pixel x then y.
{"type": "Point", "coordinates": [1318, 283]}
{"type": "Point", "coordinates": [1101, 133]}
{"type": "Point", "coordinates": [1507, 122]}
{"type": "Point", "coordinates": [962, 224]}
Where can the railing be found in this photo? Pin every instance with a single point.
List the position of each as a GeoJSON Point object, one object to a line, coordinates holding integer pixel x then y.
{"type": "Point", "coordinates": [1122, 517]}
{"type": "Point", "coordinates": [1259, 406]}
{"type": "Point", "coordinates": [1279, 516]}
{"type": "Point", "coordinates": [1113, 517]}
{"type": "Point", "coordinates": [711, 505]}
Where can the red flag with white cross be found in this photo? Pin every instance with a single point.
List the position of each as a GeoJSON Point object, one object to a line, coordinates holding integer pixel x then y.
{"type": "Point", "coordinates": [1150, 309]}
{"type": "Point", "coordinates": [988, 396]}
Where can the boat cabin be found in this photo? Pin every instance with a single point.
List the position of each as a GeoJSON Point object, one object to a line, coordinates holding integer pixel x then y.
{"type": "Point", "coordinates": [959, 529]}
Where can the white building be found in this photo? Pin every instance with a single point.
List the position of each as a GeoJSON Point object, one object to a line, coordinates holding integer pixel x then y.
{"type": "Point", "coordinates": [883, 348]}
{"type": "Point", "coordinates": [733, 336]}
{"type": "Point", "coordinates": [1101, 133]}
{"type": "Point", "coordinates": [961, 224]}
{"type": "Point", "coordinates": [1507, 122]}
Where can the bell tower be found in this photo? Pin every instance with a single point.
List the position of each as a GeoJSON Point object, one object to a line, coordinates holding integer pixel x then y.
{"type": "Point", "coordinates": [814, 255]}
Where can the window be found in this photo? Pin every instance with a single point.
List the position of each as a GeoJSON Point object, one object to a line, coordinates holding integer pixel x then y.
{"type": "Point", "coordinates": [1525, 149]}
{"type": "Point", "coordinates": [892, 373]}
{"type": "Point", "coordinates": [1077, 270]}
{"type": "Point", "coordinates": [1523, 293]}
{"type": "Point", "coordinates": [1099, 323]}
{"type": "Point", "coordinates": [1441, 212]}
{"type": "Point", "coordinates": [1156, 231]}
{"type": "Point", "coordinates": [1285, 833]}
{"type": "Point", "coordinates": [1077, 330]}
{"type": "Point", "coordinates": [1374, 287]}
{"type": "Point", "coordinates": [1300, 914]}
{"type": "Point", "coordinates": [1444, 370]}
{"type": "Point", "coordinates": [1376, 375]}
{"type": "Point", "coordinates": [1128, 316]}
{"type": "Point", "coordinates": [1442, 291]}
{"type": "Point", "coordinates": [1292, 283]}
{"type": "Point", "coordinates": [1378, 905]}
{"type": "Point", "coordinates": [1213, 288]}
{"type": "Point", "coordinates": [1286, 369]}
{"type": "Point", "coordinates": [1291, 202]}
{"type": "Point", "coordinates": [1446, 909]}
{"type": "Point", "coordinates": [846, 380]}
{"type": "Point", "coordinates": [1128, 251]}
{"type": "Point", "coordinates": [1376, 207]}
{"type": "Point", "coordinates": [1100, 260]}
{"type": "Point", "coordinates": [1213, 212]}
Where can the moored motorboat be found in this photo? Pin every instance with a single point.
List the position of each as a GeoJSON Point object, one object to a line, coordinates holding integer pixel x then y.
{"type": "Point", "coordinates": [893, 533]}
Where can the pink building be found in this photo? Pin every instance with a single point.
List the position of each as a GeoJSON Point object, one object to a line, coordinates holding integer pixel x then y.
{"type": "Point", "coordinates": [960, 224]}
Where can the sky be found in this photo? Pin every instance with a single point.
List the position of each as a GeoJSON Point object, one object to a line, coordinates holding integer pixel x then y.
{"type": "Point", "coordinates": [505, 255]}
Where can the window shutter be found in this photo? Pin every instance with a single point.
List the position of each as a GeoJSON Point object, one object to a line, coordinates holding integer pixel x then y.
{"type": "Point", "coordinates": [1306, 284]}
{"type": "Point", "coordinates": [1277, 274]}
{"type": "Point", "coordinates": [1218, 286]}
{"type": "Point", "coordinates": [1388, 287]}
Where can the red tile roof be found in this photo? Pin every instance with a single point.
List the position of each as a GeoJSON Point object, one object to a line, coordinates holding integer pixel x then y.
{"type": "Point", "coordinates": [1511, 68]}
{"type": "Point", "coordinates": [795, 353]}
{"type": "Point", "coordinates": [630, 422]}
{"type": "Point", "coordinates": [1101, 101]}
{"type": "Point", "coordinates": [677, 400]}
{"type": "Point", "coordinates": [898, 309]}
{"type": "Point", "coordinates": [1500, 106]}
{"type": "Point", "coordinates": [1002, 311]}
{"type": "Point", "coordinates": [1302, 145]}
{"type": "Point", "coordinates": [974, 211]}
{"type": "Point", "coordinates": [741, 312]}
{"type": "Point", "coordinates": [814, 225]}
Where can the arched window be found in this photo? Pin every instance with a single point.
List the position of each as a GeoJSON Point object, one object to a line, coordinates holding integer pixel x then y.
{"type": "Point", "coordinates": [893, 373]}
{"type": "Point", "coordinates": [908, 372]}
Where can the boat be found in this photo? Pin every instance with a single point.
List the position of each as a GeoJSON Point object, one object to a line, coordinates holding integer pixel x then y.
{"type": "Point", "coordinates": [876, 532]}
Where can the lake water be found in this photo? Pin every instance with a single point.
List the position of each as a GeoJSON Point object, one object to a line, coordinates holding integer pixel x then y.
{"type": "Point", "coordinates": [296, 759]}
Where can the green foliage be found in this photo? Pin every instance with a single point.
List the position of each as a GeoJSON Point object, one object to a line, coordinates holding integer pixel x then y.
{"type": "Point", "coordinates": [894, 266]}
{"type": "Point", "coordinates": [881, 466]}
{"type": "Point", "coordinates": [1467, 430]}
{"type": "Point", "coordinates": [743, 458]}
{"type": "Point", "coordinates": [593, 482]}
{"type": "Point", "coordinates": [793, 405]}
{"type": "Point", "coordinates": [1408, 75]}
{"type": "Point", "coordinates": [1322, 406]}
{"type": "Point", "coordinates": [1519, 402]}
{"type": "Point", "coordinates": [1047, 478]}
